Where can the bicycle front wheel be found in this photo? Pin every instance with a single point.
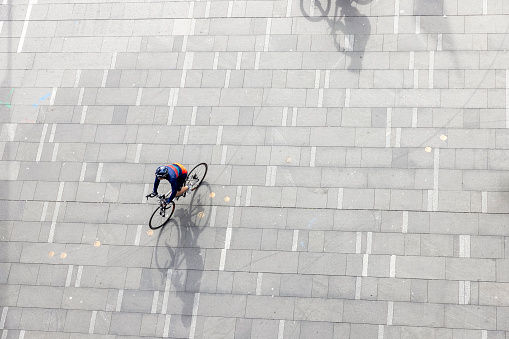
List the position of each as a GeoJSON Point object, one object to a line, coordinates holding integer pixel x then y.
{"type": "Point", "coordinates": [161, 216]}
{"type": "Point", "coordinates": [196, 176]}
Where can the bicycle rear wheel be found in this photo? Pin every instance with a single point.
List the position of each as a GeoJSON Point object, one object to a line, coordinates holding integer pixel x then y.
{"type": "Point", "coordinates": [161, 216]}
{"type": "Point", "coordinates": [196, 176]}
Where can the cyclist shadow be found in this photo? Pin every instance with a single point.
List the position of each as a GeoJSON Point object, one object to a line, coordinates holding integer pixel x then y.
{"type": "Point", "coordinates": [178, 253]}
{"type": "Point", "coordinates": [354, 26]}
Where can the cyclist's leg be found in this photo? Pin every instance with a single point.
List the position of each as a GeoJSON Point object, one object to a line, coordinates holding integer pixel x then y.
{"type": "Point", "coordinates": [182, 189]}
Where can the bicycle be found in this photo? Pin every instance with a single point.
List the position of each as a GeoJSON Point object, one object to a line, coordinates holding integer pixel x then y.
{"type": "Point", "coordinates": [164, 211]}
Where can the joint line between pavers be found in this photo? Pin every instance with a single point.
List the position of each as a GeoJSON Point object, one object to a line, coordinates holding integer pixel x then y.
{"type": "Point", "coordinates": [155, 299]}
{"type": "Point", "coordinates": [92, 322]}
{"type": "Point", "coordinates": [83, 114]}
{"type": "Point", "coordinates": [194, 315]}
{"type": "Point", "coordinates": [259, 279]}
{"type": "Point", "coordinates": [281, 329]}
{"type": "Point", "coordinates": [77, 78]}
{"type": "Point", "coordinates": [120, 296]}
{"type": "Point", "coordinates": [166, 295]}
{"type": "Point", "coordinates": [25, 25]}
{"type": "Point", "coordinates": [167, 321]}
{"type": "Point", "coordinates": [69, 276]}
{"type": "Point", "coordinates": [41, 142]}
{"type": "Point", "coordinates": [105, 78]}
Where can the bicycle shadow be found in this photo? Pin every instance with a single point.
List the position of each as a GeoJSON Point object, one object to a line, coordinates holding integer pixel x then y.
{"type": "Point", "coordinates": [348, 20]}
{"type": "Point", "coordinates": [177, 250]}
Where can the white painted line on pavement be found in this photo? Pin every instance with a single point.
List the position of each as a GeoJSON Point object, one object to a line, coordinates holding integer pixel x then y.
{"type": "Point", "coordinates": [416, 78]}
{"type": "Point", "coordinates": [186, 135]}
{"type": "Point", "coordinates": [25, 25]}
{"type": "Point", "coordinates": [267, 35]}
{"type": "Point", "coordinates": [21, 334]}
{"type": "Point", "coordinates": [358, 284]}
{"type": "Point", "coordinates": [257, 60]}
{"type": "Point", "coordinates": [41, 142]}
{"type": "Point", "coordinates": [105, 78]}
{"type": "Point", "coordinates": [78, 276]}
{"type": "Point", "coordinates": [113, 60]}
{"type": "Point", "coordinates": [228, 239]}
{"type": "Point", "coordinates": [227, 78]}
{"type": "Point", "coordinates": [1, 26]}
{"type": "Point", "coordinates": [4, 316]}
{"type": "Point", "coordinates": [83, 114]}
{"type": "Point", "coordinates": [347, 97]}
{"type": "Point", "coordinates": [83, 170]}
{"type": "Point", "coordinates": [365, 263]}
{"type": "Point", "coordinates": [259, 279]}
{"type": "Point", "coordinates": [155, 299]}
{"type": "Point", "coordinates": [312, 158]}
{"type": "Point", "coordinates": [248, 195]}
{"type": "Point", "coordinates": [11, 131]}
{"type": "Point", "coordinates": [295, 240]}
{"type": "Point", "coordinates": [285, 116]}
{"type": "Point", "coordinates": [392, 268]}
{"type": "Point", "coordinates": [138, 154]}
{"type": "Point", "coordinates": [411, 60]}
{"type": "Point", "coordinates": [120, 296]}
{"type": "Point", "coordinates": [320, 97]}
{"type": "Point", "coordinates": [138, 97]}
{"type": "Point", "coordinates": [397, 143]}
{"type": "Point", "coordinates": [239, 60]}
{"type": "Point", "coordinates": [44, 211]}
{"type": "Point", "coordinates": [55, 212]}
{"type": "Point", "coordinates": [223, 154]}
{"type": "Point", "coordinates": [213, 216]}
{"type": "Point", "coordinates": [317, 78]}
{"type": "Point", "coordinates": [349, 41]}
{"type": "Point", "coordinates": [327, 79]}
{"type": "Point", "coordinates": [380, 331]}
{"type": "Point", "coordinates": [69, 276]}
{"type": "Point", "coordinates": [281, 329]}
{"type": "Point", "coordinates": [484, 334]}
{"type": "Point", "coordinates": [194, 315]}
{"type": "Point", "coordinates": [4, 334]}
{"type": "Point", "coordinates": [431, 68]}
{"type": "Point", "coordinates": [92, 322]}
{"type": "Point", "coordinates": [340, 199]}
{"type": "Point", "coordinates": [414, 117]}
{"type": "Point", "coordinates": [216, 60]}
{"type": "Point", "coordinates": [294, 116]}
{"type": "Point", "coordinates": [464, 246]}
{"type": "Point", "coordinates": [230, 9]}
{"type": "Point", "coordinates": [358, 242]}
{"type": "Point", "coordinates": [369, 242]}
{"type": "Point", "coordinates": [80, 97]}
{"type": "Point", "coordinates": [388, 128]}
{"type": "Point", "coordinates": [77, 78]}
{"type": "Point", "coordinates": [430, 200]}
{"type": "Point", "coordinates": [191, 10]}
{"type": "Point", "coordinates": [138, 235]}
{"type": "Point", "coordinates": [436, 165]}
{"type": "Point", "coordinates": [417, 25]}
{"type": "Point", "coordinates": [289, 8]}
{"type": "Point", "coordinates": [440, 42]}
{"type": "Point", "coordinates": [396, 16]}
{"type": "Point", "coordinates": [219, 135]}
{"type": "Point", "coordinates": [207, 10]}
{"type": "Point", "coordinates": [404, 228]}
{"type": "Point", "coordinates": [167, 285]}
{"type": "Point", "coordinates": [484, 7]}
{"type": "Point", "coordinates": [238, 196]}
{"type": "Point", "coordinates": [99, 172]}
{"type": "Point", "coordinates": [484, 202]}
{"type": "Point", "coordinates": [507, 98]}
{"type": "Point", "coordinates": [166, 330]}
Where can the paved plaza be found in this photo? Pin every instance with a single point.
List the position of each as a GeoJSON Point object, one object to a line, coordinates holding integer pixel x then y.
{"type": "Point", "coordinates": [358, 179]}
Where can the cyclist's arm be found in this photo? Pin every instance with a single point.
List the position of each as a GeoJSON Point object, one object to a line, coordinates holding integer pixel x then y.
{"type": "Point", "coordinates": [174, 189]}
{"type": "Point", "coordinates": [156, 185]}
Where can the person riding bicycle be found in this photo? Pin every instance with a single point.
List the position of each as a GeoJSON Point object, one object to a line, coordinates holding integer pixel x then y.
{"type": "Point", "coordinates": [176, 174]}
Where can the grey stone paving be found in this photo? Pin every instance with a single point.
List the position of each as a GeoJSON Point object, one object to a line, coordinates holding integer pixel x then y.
{"type": "Point", "coordinates": [358, 175]}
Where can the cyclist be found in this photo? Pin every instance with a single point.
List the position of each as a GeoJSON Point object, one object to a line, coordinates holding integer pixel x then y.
{"type": "Point", "coordinates": [176, 174]}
